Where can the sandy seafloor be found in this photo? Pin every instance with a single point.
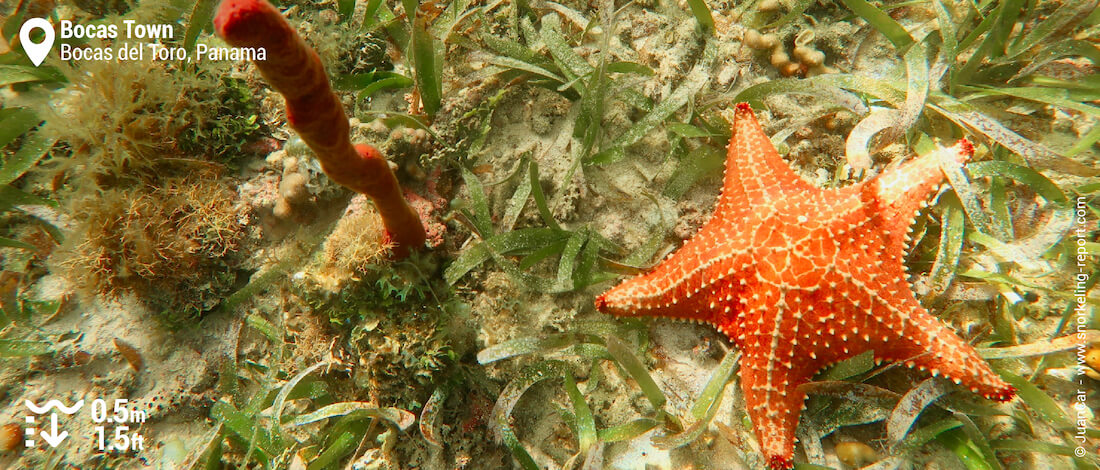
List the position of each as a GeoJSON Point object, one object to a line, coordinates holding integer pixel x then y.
{"type": "Point", "coordinates": [298, 255]}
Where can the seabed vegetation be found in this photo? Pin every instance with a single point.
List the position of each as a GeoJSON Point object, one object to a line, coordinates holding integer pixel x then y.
{"type": "Point", "coordinates": [166, 238]}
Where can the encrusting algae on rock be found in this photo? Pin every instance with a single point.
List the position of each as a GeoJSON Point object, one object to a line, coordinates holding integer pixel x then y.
{"type": "Point", "coordinates": [131, 121]}
{"type": "Point", "coordinates": [171, 245]}
{"type": "Point", "coordinates": [352, 248]}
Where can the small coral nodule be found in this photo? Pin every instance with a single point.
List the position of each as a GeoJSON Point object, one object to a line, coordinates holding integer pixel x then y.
{"type": "Point", "coordinates": [11, 436]}
{"type": "Point", "coordinates": [293, 69]}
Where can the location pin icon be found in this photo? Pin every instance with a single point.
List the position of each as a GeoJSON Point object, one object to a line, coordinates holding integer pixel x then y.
{"type": "Point", "coordinates": [36, 51]}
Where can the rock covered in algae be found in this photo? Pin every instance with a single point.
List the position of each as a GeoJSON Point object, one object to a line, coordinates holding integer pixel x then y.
{"type": "Point", "coordinates": [171, 245]}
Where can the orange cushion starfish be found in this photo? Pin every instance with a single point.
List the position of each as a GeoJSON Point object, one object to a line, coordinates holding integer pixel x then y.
{"type": "Point", "coordinates": [801, 277]}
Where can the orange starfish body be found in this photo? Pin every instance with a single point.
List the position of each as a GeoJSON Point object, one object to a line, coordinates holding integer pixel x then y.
{"type": "Point", "coordinates": [801, 277]}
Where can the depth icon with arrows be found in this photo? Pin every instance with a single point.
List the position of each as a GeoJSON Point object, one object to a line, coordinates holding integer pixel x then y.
{"type": "Point", "coordinates": [51, 436]}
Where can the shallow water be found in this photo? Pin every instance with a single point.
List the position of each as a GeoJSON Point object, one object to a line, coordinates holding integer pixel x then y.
{"type": "Point", "coordinates": [189, 281]}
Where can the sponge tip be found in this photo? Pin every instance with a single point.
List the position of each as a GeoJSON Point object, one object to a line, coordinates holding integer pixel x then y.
{"type": "Point", "coordinates": [245, 22]}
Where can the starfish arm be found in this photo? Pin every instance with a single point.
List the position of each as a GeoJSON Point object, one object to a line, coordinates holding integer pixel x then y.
{"type": "Point", "coordinates": [886, 317]}
{"type": "Point", "coordinates": [779, 347]}
{"type": "Point", "coordinates": [773, 402]}
{"type": "Point", "coordinates": [755, 173]}
{"type": "Point", "coordinates": [693, 283]}
{"type": "Point", "coordinates": [898, 194]}
{"type": "Point", "coordinates": [649, 296]}
{"type": "Point", "coordinates": [928, 344]}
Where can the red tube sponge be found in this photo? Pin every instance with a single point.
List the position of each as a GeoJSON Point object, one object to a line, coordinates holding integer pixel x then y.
{"type": "Point", "coordinates": [293, 69]}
